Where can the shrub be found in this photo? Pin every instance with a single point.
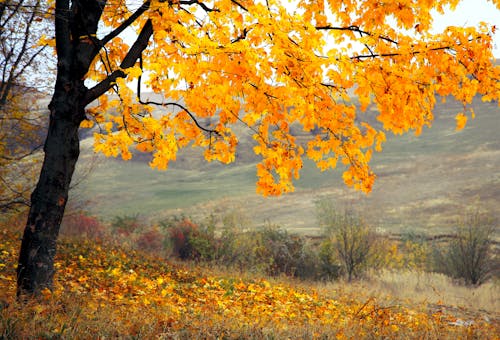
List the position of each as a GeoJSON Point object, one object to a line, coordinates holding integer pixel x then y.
{"type": "Point", "coordinates": [468, 256]}
{"type": "Point", "coordinates": [152, 240]}
{"type": "Point", "coordinates": [190, 241]}
{"type": "Point", "coordinates": [308, 263]}
{"type": "Point", "coordinates": [350, 238]}
{"type": "Point", "coordinates": [282, 249]}
{"type": "Point", "coordinates": [243, 250]}
{"type": "Point", "coordinates": [270, 250]}
{"type": "Point", "coordinates": [329, 266]}
{"type": "Point", "coordinates": [288, 254]}
{"type": "Point", "coordinates": [82, 225]}
{"type": "Point", "coordinates": [125, 225]}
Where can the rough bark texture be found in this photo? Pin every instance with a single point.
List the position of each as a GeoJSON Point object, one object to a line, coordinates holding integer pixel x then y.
{"type": "Point", "coordinates": [35, 270]}
{"type": "Point", "coordinates": [76, 24]}
{"type": "Point", "coordinates": [38, 248]}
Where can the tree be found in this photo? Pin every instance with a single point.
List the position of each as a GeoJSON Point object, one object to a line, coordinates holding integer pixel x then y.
{"type": "Point", "coordinates": [21, 118]}
{"type": "Point", "coordinates": [469, 255]}
{"type": "Point", "coordinates": [348, 239]}
{"type": "Point", "coordinates": [253, 62]}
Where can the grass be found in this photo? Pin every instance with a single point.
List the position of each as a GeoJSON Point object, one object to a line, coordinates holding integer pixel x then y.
{"type": "Point", "coordinates": [107, 291]}
{"type": "Point", "coordinates": [423, 182]}
{"type": "Point", "coordinates": [434, 290]}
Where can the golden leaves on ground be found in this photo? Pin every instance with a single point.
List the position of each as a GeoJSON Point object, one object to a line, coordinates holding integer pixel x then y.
{"type": "Point", "coordinates": [102, 290]}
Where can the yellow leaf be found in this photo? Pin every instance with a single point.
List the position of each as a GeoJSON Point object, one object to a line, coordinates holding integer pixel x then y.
{"type": "Point", "coordinates": [461, 121]}
{"type": "Point", "coordinates": [86, 124]}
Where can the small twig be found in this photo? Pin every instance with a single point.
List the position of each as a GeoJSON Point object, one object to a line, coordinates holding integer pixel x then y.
{"type": "Point", "coordinates": [239, 5]}
{"type": "Point", "coordinates": [201, 4]}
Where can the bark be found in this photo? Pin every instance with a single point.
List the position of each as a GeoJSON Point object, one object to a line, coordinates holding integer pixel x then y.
{"type": "Point", "coordinates": [36, 261]}
{"type": "Point", "coordinates": [76, 24]}
{"type": "Point", "coordinates": [35, 270]}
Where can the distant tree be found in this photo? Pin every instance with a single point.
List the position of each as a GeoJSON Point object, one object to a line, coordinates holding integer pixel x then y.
{"type": "Point", "coordinates": [23, 80]}
{"type": "Point", "coordinates": [469, 255]}
{"type": "Point", "coordinates": [348, 239]}
{"type": "Point", "coordinates": [251, 62]}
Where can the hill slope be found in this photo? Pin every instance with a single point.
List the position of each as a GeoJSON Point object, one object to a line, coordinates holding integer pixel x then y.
{"type": "Point", "coordinates": [103, 291]}
{"type": "Point", "coordinates": [423, 182]}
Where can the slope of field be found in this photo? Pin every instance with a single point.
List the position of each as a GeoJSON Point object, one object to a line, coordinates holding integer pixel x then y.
{"type": "Point", "coordinates": [103, 291]}
{"type": "Point", "coordinates": [423, 182]}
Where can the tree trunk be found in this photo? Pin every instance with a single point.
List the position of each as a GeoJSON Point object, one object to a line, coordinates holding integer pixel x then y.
{"type": "Point", "coordinates": [73, 19]}
{"type": "Point", "coordinates": [36, 260]}
{"type": "Point", "coordinates": [76, 23]}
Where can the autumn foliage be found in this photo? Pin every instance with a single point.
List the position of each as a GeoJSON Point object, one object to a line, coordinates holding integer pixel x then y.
{"type": "Point", "coordinates": [316, 66]}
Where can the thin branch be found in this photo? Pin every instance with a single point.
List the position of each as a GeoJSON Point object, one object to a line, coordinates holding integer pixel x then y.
{"type": "Point", "coordinates": [183, 108]}
{"type": "Point", "coordinates": [14, 11]}
{"type": "Point", "coordinates": [201, 4]}
{"type": "Point", "coordinates": [239, 5]}
{"type": "Point", "coordinates": [355, 29]}
{"type": "Point", "coordinates": [169, 104]}
{"type": "Point", "coordinates": [30, 61]}
{"type": "Point", "coordinates": [395, 54]}
{"type": "Point", "coordinates": [144, 7]}
{"type": "Point", "coordinates": [18, 158]}
{"type": "Point", "coordinates": [242, 36]}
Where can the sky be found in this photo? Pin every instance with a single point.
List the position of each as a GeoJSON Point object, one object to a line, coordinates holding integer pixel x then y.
{"type": "Point", "coordinates": [470, 13]}
{"type": "Point", "coordinates": [467, 13]}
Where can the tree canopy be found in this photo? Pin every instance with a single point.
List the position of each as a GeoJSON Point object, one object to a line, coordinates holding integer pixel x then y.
{"type": "Point", "coordinates": [313, 66]}
{"type": "Point", "coordinates": [272, 66]}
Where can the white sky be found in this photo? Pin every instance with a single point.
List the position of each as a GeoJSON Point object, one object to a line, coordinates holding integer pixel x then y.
{"type": "Point", "coordinates": [470, 13]}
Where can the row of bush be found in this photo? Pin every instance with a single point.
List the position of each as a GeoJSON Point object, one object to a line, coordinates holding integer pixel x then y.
{"type": "Point", "coordinates": [348, 247]}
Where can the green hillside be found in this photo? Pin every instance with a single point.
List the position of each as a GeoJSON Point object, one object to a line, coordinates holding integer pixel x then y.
{"type": "Point", "coordinates": [423, 182]}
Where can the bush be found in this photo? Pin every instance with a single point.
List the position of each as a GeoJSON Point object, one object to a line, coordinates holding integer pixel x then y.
{"type": "Point", "coordinates": [270, 250]}
{"type": "Point", "coordinates": [243, 250]}
{"type": "Point", "coordinates": [349, 237]}
{"type": "Point", "coordinates": [190, 241]}
{"type": "Point", "coordinates": [82, 225]}
{"type": "Point", "coordinates": [126, 225]}
{"type": "Point", "coordinates": [287, 253]}
{"type": "Point", "coordinates": [152, 240]}
{"type": "Point", "coordinates": [282, 249]}
{"type": "Point", "coordinates": [330, 267]}
{"type": "Point", "coordinates": [468, 256]}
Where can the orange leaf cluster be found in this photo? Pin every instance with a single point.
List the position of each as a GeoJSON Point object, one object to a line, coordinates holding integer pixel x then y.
{"type": "Point", "coordinates": [301, 79]}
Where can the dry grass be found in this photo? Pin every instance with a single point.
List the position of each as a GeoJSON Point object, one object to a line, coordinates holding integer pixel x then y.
{"type": "Point", "coordinates": [432, 289]}
{"type": "Point", "coordinates": [105, 291]}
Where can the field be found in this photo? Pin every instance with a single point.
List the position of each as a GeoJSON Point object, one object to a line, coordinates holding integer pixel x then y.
{"type": "Point", "coordinates": [423, 182]}
{"type": "Point", "coordinates": [122, 293]}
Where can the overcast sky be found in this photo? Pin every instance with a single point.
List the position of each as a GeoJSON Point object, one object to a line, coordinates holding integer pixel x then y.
{"type": "Point", "coordinates": [470, 13]}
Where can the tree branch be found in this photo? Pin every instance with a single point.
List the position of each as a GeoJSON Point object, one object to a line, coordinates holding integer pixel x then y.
{"type": "Point", "coordinates": [144, 7]}
{"type": "Point", "coordinates": [130, 59]}
{"type": "Point", "coordinates": [395, 54]}
{"type": "Point", "coordinates": [201, 4]}
{"type": "Point", "coordinates": [355, 29]}
{"type": "Point", "coordinates": [239, 5]}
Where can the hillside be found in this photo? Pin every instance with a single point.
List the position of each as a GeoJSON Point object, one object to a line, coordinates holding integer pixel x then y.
{"type": "Point", "coordinates": [423, 182]}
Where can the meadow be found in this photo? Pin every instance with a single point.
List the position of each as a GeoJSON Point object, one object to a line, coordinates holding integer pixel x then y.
{"type": "Point", "coordinates": [423, 183]}
{"type": "Point", "coordinates": [107, 290]}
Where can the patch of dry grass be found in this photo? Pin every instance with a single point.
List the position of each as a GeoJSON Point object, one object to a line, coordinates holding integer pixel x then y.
{"type": "Point", "coordinates": [105, 291]}
{"type": "Point", "coordinates": [432, 289]}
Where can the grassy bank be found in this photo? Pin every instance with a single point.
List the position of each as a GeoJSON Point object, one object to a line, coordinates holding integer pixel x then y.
{"type": "Point", "coordinates": [106, 291]}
